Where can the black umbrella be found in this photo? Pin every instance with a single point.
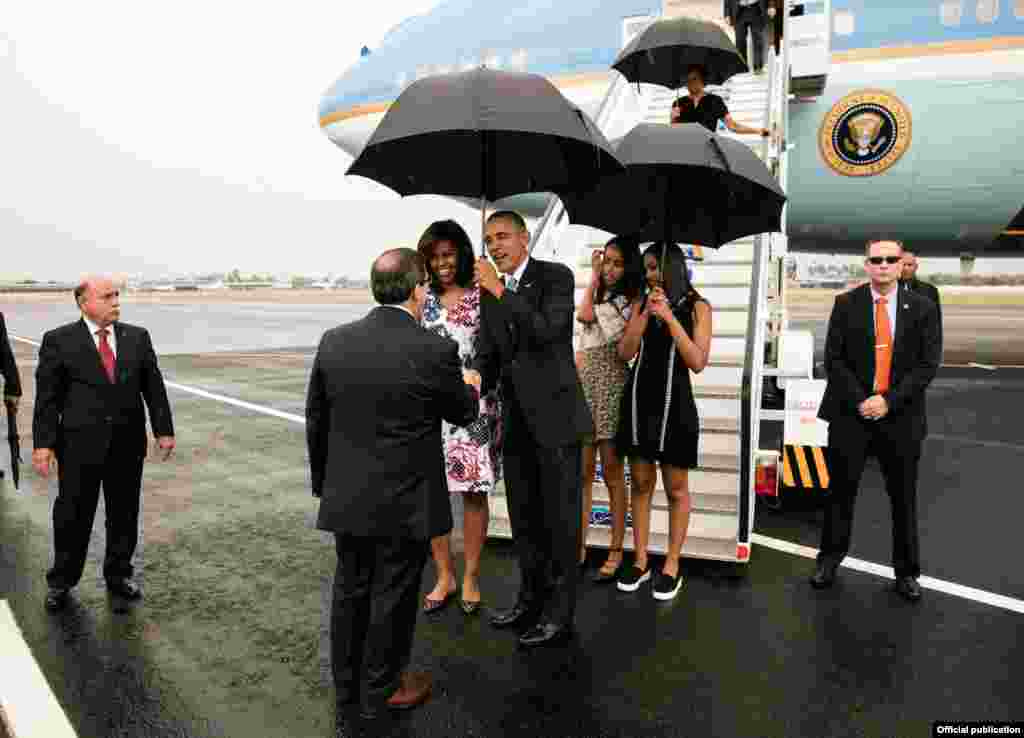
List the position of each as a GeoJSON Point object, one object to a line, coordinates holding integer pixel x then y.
{"type": "Point", "coordinates": [15, 444]}
{"type": "Point", "coordinates": [662, 53]}
{"type": "Point", "coordinates": [682, 183]}
{"type": "Point", "coordinates": [485, 134]}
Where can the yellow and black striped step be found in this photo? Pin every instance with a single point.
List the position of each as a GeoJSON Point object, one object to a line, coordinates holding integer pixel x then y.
{"type": "Point", "coordinates": [804, 467]}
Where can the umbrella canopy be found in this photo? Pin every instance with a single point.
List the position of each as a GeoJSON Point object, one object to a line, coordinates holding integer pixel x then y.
{"type": "Point", "coordinates": [487, 134]}
{"type": "Point", "coordinates": [663, 52]}
{"type": "Point", "coordinates": [682, 183]}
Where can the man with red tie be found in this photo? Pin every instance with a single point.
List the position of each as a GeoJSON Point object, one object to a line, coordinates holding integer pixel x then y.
{"type": "Point", "coordinates": [881, 353]}
{"type": "Point", "coordinates": [92, 378]}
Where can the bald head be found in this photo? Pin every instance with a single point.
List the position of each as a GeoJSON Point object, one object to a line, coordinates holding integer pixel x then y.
{"type": "Point", "coordinates": [395, 275]}
{"type": "Point", "coordinates": [99, 298]}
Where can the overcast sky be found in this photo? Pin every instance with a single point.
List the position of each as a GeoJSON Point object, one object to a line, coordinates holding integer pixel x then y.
{"type": "Point", "coordinates": [155, 137]}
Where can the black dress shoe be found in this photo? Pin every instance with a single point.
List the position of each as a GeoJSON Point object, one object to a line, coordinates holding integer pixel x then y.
{"type": "Point", "coordinates": [824, 575]}
{"type": "Point", "coordinates": [124, 588]}
{"type": "Point", "coordinates": [56, 599]}
{"type": "Point", "coordinates": [908, 588]}
{"type": "Point", "coordinates": [544, 634]}
{"type": "Point", "coordinates": [519, 616]}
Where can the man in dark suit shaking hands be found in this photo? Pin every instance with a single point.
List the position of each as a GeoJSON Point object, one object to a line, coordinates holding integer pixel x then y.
{"type": "Point", "coordinates": [92, 378]}
{"type": "Point", "coordinates": [378, 391]}
{"type": "Point", "coordinates": [881, 353]}
{"type": "Point", "coordinates": [526, 347]}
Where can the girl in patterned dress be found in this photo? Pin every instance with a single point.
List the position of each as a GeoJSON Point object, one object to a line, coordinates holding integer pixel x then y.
{"type": "Point", "coordinates": [616, 281]}
{"type": "Point", "coordinates": [472, 459]}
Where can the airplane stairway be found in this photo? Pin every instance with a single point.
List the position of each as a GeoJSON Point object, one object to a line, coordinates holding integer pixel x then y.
{"type": "Point", "coordinates": [733, 279]}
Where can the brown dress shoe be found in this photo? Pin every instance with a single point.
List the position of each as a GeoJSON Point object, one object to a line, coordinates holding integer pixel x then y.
{"type": "Point", "coordinates": [413, 690]}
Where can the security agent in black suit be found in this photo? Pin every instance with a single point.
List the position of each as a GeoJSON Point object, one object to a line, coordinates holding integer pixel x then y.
{"type": "Point", "coordinates": [525, 346]}
{"type": "Point", "coordinates": [378, 391]}
{"type": "Point", "coordinates": [752, 16]}
{"type": "Point", "coordinates": [909, 280]}
{"type": "Point", "coordinates": [92, 378]}
{"type": "Point", "coordinates": [889, 424]}
{"type": "Point", "coordinates": [9, 370]}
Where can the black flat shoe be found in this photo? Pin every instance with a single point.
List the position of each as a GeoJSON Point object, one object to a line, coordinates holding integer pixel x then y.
{"type": "Point", "coordinates": [908, 588]}
{"type": "Point", "coordinates": [518, 616]}
{"type": "Point", "coordinates": [56, 599]}
{"type": "Point", "coordinates": [545, 634]}
{"type": "Point", "coordinates": [824, 575]}
{"type": "Point", "coordinates": [469, 607]}
{"type": "Point", "coordinates": [124, 588]}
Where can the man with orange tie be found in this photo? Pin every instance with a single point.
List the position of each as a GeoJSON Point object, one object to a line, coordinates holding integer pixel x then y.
{"type": "Point", "coordinates": [92, 378]}
{"type": "Point", "coordinates": [881, 353]}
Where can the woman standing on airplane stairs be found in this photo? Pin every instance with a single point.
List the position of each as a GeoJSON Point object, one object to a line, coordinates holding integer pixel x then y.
{"type": "Point", "coordinates": [669, 332]}
{"type": "Point", "coordinates": [616, 283]}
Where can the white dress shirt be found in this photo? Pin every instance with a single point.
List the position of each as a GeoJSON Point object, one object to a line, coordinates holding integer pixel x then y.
{"type": "Point", "coordinates": [517, 275]}
{"type": "Point", "coordinates": [94, 331]}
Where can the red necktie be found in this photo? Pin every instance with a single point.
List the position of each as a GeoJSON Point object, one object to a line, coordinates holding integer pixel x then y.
{"type": "Point", "coordinates": [106, 354]}
{"type": "Point", "coordinates": [883, 346]}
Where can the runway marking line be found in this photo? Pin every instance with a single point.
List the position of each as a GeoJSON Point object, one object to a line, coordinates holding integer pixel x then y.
{"type": "Point", "coordinates": [27, 703]}
{"type": "Point", "coordinates": [939, 585]}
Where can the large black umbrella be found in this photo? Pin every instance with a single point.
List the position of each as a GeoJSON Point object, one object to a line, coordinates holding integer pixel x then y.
{"type": "Point", "coordinates": [15, 444]}
{"type": "Point", "coordinates": [662, 53]}
{"type": "Point", "coordinates": [485, 134]}
{"type": "Point", "coordinates": [682, 183]}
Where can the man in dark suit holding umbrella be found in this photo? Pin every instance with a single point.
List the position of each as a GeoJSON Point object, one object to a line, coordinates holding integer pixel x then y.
{"type": "Point", "coordinates": [526, 348]}
{"type": "Point", "coordinates": [379, 389]}
{"type": "Point", "coordinates": [881, 353]}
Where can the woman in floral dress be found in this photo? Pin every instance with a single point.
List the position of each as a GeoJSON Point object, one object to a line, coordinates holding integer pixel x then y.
{"type": "Point", "coordinates": [472, 455]}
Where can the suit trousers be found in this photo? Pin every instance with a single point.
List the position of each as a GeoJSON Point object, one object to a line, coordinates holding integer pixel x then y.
{"type": "Point", "coordinates": [79, 482]}
{"type": "Point", "coordinates": [373, 615]}
{"type": "Point", "coordinates": [750, 19]}
{"type": "Point", "coordinates": [846, 455]}
{"type": "Point", "coordinates": [544, 494]}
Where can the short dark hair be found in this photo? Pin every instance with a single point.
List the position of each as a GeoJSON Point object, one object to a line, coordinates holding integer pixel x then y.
{"type": "Point", "coordinates": [448, 230]}
{"type": "Point", "coordinates": [512, 215]}
{"type": "Point", "coordinates": [699, 69]}
{"type": "Point", "coordinates": [80, 289]}
{"type": "Point", "coordinates": [395, 274]}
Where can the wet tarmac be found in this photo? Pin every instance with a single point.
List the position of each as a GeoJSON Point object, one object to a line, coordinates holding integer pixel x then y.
{"type": "Point", "coordinates": [231, 638]}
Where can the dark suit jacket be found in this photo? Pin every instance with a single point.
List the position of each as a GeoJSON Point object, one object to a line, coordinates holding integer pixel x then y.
{"type": "Point", "coordinates": [525, 342]}
{"type": "Point", "coordinates": [732, 9]}
{"type": "Point", "coordinates": [850, 364]}
{"type": "Point", "coordinates": [12, 382]}
{"type": "Point", "coordinates": [930, 291]}
{"type": "Point", "coordinates": [79, 412]}
{"type": "Point", "coordinates": [377, 393]}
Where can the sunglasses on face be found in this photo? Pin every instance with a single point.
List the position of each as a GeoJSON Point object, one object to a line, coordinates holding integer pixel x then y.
{"type": "Point", "coordinates": [876, 260]}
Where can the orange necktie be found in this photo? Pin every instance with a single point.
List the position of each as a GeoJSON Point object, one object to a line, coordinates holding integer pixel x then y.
{"type": "Point", "coordinates": [883, 346]}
